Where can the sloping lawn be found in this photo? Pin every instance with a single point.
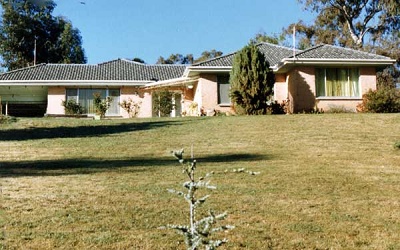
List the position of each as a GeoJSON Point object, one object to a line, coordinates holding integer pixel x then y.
{"type": "Point", "coordinates": [326, 182]}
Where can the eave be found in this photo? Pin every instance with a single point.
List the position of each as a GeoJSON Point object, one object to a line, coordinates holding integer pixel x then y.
{"type": "Point", "coordinates": [182, 81]}
{"type": "Point", "coordinates": [286, 64]}
{"type": "Point", "coordinates": [54, 83]}
{"type": "Point", "coordinates": [197, 70]}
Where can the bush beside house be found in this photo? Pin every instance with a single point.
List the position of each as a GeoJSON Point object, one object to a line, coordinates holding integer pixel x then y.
{"type": "Point", "coordinates": [251, 81]}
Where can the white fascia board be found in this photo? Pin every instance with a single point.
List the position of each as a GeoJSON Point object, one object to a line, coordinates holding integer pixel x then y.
{"type": "Point", "coordinates": [332, 62]}
{"type": "Point", "coordinates": [72, 83]}
{"type": "Point", "coordinates": [338, 61]}
{"type": "Point", "coordinates": [207, 69]}
{"type": "Point", "coordinates": [172, 82]}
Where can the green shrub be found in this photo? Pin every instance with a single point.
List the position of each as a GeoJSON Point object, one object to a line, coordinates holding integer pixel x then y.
{"type": "Point", "coordinates": [4, 119]}
{"type": "Point", "coordinates": [131, 107]}
{"type": "Point", "coordinates": [276, 108]}
{"type": "Point", "coordinates": [71, 107]}
{"type": "Point", "coordinates": [397, 145]}
{"type": "Point", "coordinates": [251, 81]}
{"type": "Point", "coordinates": [101, 105]}
{"type": "Point", "coordinates": [162, 103]}
{"type": "Point", "coordinates": [384, 100]}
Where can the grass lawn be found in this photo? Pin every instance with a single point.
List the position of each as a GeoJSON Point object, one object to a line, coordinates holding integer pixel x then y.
{"type": "Point", "coordinates": [327, 181]}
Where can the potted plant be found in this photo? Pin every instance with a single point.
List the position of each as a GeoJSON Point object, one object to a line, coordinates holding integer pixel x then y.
{"type": "Point", "coordinates": [101, 105]}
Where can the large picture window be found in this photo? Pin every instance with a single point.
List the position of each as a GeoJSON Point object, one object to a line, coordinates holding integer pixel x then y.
{"type": "Point", "coordinates": [337, 82]}
{"type": "Point", "coordinates": [223, 90]}
{"type": "Point", "coordinates": [85, 98]}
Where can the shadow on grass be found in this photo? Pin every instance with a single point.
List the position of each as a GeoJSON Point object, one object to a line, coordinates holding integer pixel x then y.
{"type": "Point", "coordinates": [79, 131]}
{"type": "Point", "coordinates": [90, 166]}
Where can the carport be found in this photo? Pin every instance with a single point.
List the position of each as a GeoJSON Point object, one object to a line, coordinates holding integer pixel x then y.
{"type": "Point", "coordinates": [23, 101]}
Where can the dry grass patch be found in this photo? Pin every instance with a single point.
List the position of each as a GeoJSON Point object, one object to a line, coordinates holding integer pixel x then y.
{"type": "Point", "coordinates": [327, 181]}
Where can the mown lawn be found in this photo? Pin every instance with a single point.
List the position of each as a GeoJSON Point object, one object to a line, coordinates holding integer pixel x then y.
{"type": "Point", "coordinates": [327, 181]}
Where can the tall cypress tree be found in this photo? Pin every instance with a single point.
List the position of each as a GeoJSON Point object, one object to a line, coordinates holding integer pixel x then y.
{"type": "Point", "coordinates": [251, 81]}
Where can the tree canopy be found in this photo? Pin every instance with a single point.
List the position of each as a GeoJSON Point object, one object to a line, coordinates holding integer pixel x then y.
{"type": "Point", "coordinates": [188, 59]}
{"type": "Point", "coordinates": [370, 25]}
{"type": "Point", "coordinates": [251, 81]}
{"type": "Point", "coordinates": [355, 20]}
{"type": "Point", "coordinates": [206, 55]}
{"type": "Point", "coordinates": [263, 37]}
{"type": "Point", "coordinates": [176, 59]}
{"type": "Point", "coordinates": [139, 60]}
{"type": "Point", "coordinates": [30, 34]}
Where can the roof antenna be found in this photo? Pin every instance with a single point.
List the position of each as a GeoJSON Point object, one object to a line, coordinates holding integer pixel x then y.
{"type": "Point", "coordinates": [34, 54]}
{"type": "Point", "coordinates": [294, 42]}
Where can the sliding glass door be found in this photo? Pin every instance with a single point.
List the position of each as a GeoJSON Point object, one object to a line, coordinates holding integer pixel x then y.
{"type": "Point", "coordinates": [85, 98]}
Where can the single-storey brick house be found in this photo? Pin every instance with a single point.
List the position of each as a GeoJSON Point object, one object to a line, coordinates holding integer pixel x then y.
{"type": "Point", "coordinates": [323, 76]}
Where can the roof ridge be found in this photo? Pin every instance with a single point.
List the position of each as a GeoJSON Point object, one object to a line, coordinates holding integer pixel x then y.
{"type": "Point", "coordinates": [309, 49]}
{"type": "Point", "coordinates": [108, 62]}
{"type": "Point", "coordinates": [167, 65]}
{"type": "Point", "coordinates": [212, 59]}
{"type": "Point", "coordinates": [276, 45]}
{"type": "Point", "coordinates": [25, 68]}
{"type": "Point", "coordinates": [129, 61]}
{"type": "Point", "coordinates": [70, 64]}
{"type": "Point", "coordinates": [232, 53]}
{"type": "Point", "coordinates": [141, 64]}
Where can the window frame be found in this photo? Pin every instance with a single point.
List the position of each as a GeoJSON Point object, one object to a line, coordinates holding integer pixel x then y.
{"type": "Point", "coordinates": [78, 97]}
{"type": "Point", "coordinates": [223, 80]}
{"type": "Point", "coordinates": [336, 85]}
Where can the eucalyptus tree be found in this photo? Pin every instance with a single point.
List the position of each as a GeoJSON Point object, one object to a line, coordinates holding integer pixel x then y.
{"type": "Point", "coordinates": [354, 21]}
{"type": "Point", "coordinates": [30, 34]}
{"type": "Point", "coordinates": [189, 59]}
{"type": "Point", "coordinates": [370, 25]}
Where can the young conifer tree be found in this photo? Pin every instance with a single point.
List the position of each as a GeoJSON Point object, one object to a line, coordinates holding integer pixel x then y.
{"type": "Point", "coordinates": [200, 231]}
{"type": "Point", "coordinates": [251, 81]}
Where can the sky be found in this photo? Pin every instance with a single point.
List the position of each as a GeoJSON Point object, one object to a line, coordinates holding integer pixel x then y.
{"type": "Point", "coordinates": [148, 29]}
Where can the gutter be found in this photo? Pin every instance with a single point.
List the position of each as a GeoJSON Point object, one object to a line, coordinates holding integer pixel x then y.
{"type": "Point", "coordinates": [206, 69]}
{"type": "Point", "coordinates": [181, 81]}
{"type": "Point", "coordinates": [355, 62]}
{"type": "Point", "coordinates": [51, 83]}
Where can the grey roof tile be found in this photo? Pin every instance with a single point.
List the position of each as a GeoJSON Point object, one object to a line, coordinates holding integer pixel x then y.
{"type": "Point", "coordinates": [325, 51]}
{"type": "Point", "coordinates": [116, 70]}
{"type": "Point", "coordinates": [125, 70]}
{"type": "Point", "coordinates": [273, 54]}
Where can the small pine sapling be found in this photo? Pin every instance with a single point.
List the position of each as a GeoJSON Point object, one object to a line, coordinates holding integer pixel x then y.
{"type": "Point", "coordinates": [198, 233]}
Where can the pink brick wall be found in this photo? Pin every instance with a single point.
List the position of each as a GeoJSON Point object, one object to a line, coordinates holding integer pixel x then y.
{"type": "Point", "coordinates": [54, 99]}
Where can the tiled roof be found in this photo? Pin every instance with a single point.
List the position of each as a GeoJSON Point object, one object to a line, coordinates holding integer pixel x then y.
{"type": "Point", "coordinates": [117, 70]}
{"type": "Point", "coordinates": [325, 51]}
{"type": "Point", "coordinates": [273, 54]}
{"type": "Point", "coordinates": [125, 70]}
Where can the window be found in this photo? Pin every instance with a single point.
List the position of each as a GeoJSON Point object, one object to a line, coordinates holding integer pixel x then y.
{"type": "Point", "coordinates": [72, 94]}
{"type": "Point", "coordinates": [85, 99]}
{"type": "Point", "coordinates": [337, 82]}
{"type": "Point", "coordinates": [223, 90]}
